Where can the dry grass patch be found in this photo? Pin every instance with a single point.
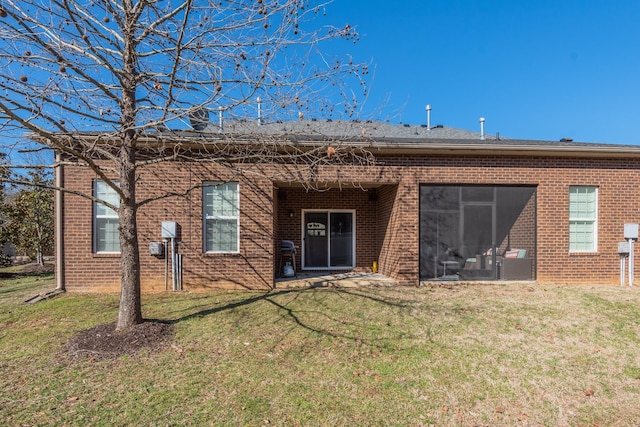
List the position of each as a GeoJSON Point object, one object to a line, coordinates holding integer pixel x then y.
{"type": "Point", "coordinates": [499, 354]}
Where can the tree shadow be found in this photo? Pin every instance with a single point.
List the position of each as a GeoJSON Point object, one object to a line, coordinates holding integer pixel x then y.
{"type": "Point", "coordinates": [274, 297]}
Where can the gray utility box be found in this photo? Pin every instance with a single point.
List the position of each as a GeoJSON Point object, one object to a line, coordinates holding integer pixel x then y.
{"type": "Point", "coordinates": [631, 231]}
{"type": "Point", "coordinates": [156, 249]}
{"type": "Point", "coordinates": [170, 230]}
{"type": "Point", "coordinates": [623, 248]}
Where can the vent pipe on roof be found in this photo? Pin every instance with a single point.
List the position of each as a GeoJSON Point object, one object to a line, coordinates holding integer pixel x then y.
{"type": "Point", "coordinates": [482, 128]}
{"type": "Point", "coordinates": [428, 116]}
{"type": "Point", "coordinates": [220, 124]}
{"type": "Point", "coordinates": [199, 118]}
{"type": "Point", "coordinates": [259, 101]}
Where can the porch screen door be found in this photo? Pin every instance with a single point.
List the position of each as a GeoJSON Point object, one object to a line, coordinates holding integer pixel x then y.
{"type": "Point", "coordinates": [328, 240]}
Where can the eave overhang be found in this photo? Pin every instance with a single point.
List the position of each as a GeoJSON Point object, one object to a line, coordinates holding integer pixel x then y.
{"type": "Point", "coordinates": [377, 146]}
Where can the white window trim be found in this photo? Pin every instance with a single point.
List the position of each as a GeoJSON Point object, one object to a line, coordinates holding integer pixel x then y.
{"type": "Point", "coordinates": [112, 215]}
{"type": "Point", "coordinates": [353, 242]}
{"type": "Point", "coordinates": [206, 216]}
{"type": "Point", "coordinates": [594, 220]}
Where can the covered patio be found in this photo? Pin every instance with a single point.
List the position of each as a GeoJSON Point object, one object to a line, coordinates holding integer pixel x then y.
{"type": "Point", "coordinates": [338, 233]}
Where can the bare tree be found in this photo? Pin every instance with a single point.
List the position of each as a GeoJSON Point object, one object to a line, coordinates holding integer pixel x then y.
{"type": "Point", "coordinates": [97, 80]}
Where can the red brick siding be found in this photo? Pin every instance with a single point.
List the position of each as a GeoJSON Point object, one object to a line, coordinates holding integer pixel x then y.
{"type": "Point", "coordinates": [389, 219]}
{"type": "Point", "coordinates": [252, 267]}
{"type": "Point", "coordinates": [387, 228]}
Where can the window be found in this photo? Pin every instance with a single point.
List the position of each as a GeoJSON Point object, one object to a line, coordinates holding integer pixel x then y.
{"type": "Point", "coordinates": [106, 238]}
{"type": "Point", "coordinates": [583, 215]}
{"type": "Point", "coordinates": [221, 217]}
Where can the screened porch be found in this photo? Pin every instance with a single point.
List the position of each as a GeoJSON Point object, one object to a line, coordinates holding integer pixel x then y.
{"type": "Point", "coordinates": [477, 232]}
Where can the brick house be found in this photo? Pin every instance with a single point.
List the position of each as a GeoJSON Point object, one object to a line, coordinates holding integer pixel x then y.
{"type": "Point", "coordinates": [438, 204]}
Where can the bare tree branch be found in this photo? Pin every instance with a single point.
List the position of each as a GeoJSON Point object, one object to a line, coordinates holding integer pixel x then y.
{"type": "Point", "coordinates": [116, 86]}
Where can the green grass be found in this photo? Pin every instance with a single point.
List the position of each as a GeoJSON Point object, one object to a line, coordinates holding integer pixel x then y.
{"type": "Point", "coordinates": [16, 290]}
{"type": "Point", "coordinates": [494, 355]}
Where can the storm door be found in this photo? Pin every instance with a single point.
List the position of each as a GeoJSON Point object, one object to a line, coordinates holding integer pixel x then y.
{"type": "Point", "coordinates": [328, 240]}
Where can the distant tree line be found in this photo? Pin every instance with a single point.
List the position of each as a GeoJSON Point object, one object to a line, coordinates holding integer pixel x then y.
{"type": "Point", "coordinates": [28, 216]}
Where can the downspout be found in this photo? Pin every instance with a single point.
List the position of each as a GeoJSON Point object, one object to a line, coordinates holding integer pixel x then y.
{"type": "Point", "coordinates": [59, 183]}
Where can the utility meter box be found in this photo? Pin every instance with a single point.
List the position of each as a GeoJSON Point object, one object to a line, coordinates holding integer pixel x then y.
{"type": "Point", "coordinates": [156, 249]}
{"type": "Point", "coordinates": [169, 230]}
{"type": "Point", "coordinates": [623, 248]}
{"type": "Point", "coordinates": [631, 231]}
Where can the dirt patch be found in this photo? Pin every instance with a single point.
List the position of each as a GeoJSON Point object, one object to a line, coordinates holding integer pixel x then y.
{"type": "Point", "coordinates": [104, 342]}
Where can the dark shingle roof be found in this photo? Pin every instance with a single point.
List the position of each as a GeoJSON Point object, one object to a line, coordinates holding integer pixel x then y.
{"type": "Point", "coordinates": [387, 135]}
{"type": "Point", "coordinates": [346, 129]}
{"type": "Point", "coordinates": [382, 138]}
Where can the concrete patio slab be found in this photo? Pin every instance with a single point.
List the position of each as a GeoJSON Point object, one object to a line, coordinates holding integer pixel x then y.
{"type": "Point", "coordinates": [340, 280]}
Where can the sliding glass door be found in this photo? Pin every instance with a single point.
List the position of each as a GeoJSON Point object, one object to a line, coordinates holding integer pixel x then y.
{"type": "Point", "coordinates": [328, 240]}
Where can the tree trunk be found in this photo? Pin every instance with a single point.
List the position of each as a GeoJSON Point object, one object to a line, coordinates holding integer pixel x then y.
{"type": "Point", "coordinates": [39, 256]}
{"type": "Point", "coordinates": [130, 312]}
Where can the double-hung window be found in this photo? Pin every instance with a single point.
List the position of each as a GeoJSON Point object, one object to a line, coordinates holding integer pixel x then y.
{"type": "Point", "coordinates": [583, 219]}
{"type": "Point", "coordinates": [221, 217]}
{"type": "Point", "coordinates": [106, 238]}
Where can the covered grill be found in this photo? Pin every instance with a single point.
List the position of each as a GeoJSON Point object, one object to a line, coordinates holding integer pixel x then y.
{"type": "Point", "coordinates": [287, 267]}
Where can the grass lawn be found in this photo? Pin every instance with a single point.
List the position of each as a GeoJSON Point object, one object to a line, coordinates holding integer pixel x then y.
{"type": "Point", "coordinates": [495, 354]}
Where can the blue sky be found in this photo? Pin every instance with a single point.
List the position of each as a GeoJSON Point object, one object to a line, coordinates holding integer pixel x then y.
{"type": "Point", "coordinates": [534, 69]}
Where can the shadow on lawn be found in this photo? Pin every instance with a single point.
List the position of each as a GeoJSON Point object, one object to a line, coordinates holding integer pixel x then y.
{"type": "Point", "coordinates": [269, 297]}
{"type": "Point", "coordinates": [273, 296]}
{"type": "Point", "coordinates": [103, 342]}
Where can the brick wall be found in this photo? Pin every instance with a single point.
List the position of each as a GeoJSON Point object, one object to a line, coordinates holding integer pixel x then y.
{"type": "Point", "coordinates": [388, 223]}
{"type": "Point", "coordinates": [615, 179]}
{"type": "Point", "coordinates": [252, 267]}
{"type": "Point", "coordinates": [387, 226]}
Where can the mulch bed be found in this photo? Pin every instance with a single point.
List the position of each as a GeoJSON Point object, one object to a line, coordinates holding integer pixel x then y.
{"type": "Point", "coordinates": [104, 342]}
